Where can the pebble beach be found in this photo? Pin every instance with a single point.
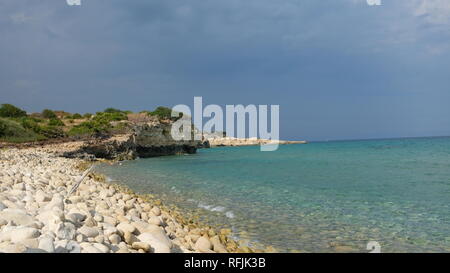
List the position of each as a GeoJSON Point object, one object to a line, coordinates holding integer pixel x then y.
{"type": "Point", "coordinates": [39, 213]}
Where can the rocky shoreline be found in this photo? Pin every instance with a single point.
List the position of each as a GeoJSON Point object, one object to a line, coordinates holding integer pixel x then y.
{"type": "Point", "coordinates": [37, 214]}
{"type": "Point", "coordinates": [232, 141]}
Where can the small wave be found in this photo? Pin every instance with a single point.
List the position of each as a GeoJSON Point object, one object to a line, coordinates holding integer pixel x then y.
{"type": "Point", "coordinates": [175, 190]}
{"type": "Point", "coordinates": [204, 206]}
{"type": "Point", "coordinates": [218, 208]}
{"type": "Point", "coordinates": [212, 208]}
{"type": "Point", "coordinates": [229, 214]}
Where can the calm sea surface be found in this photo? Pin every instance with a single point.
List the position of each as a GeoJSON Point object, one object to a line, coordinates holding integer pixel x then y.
{"type": "Point", "coordinates": [312, 197]}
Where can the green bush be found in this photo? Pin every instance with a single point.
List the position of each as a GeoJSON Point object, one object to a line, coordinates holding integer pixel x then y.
{"type": "Point", "coordinates": [49, 114]}
{"type": "Point", "coordinates": [120, 127]}
{"type": "Point", "coordinates": [26, 129]}
{"type": "Point", "coordinates": [11, 111]}
{"type": "Point", "coordinates": [55, 122]}
{"type": "Point", "coordinates": [3, 127]}
{"type": "Point", "coordinates": [87, 115]}
{"type": "Point", "coordinates": [162, 112]}
{"type": "Point", "coordinates": [100, 124]}
{"type": "Point", "coordinates": [30, 123]}
{"type": "Point", "coordinates": [90, 128]}
{"type": "Point", "coordinates": [112, 110]}
{"type": "Point", "coordinates": [110, 116]}
{"type": "Point", "coordinates": [51, 131]}
{"type": "Point", "coordinates": [81, 131]}
{"type": "Point", "coordinates": [165, 113]}
{"type": "Point", "coordinates": [77, 116]}
{"type": "Point", "coordinates": [12, 131]}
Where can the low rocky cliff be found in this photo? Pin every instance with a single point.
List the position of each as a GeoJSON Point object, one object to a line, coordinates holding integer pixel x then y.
{"type": "Point", "coordinates": [143, 139]}
{"type": "Point", "coordinates": [155, 140]}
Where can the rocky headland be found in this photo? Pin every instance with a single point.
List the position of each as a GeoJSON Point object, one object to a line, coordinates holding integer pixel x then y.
{"type": "Point", "coordinates": [232, 141]}
{"type": "Point", "coordinates": [148, 138]}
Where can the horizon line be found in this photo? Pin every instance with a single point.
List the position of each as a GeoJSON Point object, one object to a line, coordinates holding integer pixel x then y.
{"type": "Point", "coordinates": [376, 138]}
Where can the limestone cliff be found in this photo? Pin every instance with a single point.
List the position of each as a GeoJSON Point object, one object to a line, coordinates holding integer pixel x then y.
{"type": "Point", "coordinates": [142, 139]}
{"type": "Point", "coordinates": [156, 140]}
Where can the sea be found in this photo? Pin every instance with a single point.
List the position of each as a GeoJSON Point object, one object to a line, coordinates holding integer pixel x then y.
{"type": "Point", "coordinates": [317, 197]}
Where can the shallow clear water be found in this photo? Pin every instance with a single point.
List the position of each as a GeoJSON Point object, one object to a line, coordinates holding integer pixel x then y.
{"type": "Point", "coordinates": [312, 197]}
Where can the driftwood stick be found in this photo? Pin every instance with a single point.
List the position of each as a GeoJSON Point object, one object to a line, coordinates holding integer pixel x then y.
{"type": "Point", "coordinates": [77, 184]}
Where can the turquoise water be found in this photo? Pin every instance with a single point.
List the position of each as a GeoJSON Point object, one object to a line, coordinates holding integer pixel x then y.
{"type": "Point", "coordinates": [315, 197]}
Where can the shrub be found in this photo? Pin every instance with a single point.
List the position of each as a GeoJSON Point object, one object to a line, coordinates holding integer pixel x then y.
{"type": "Point", "coordinates": [76, 116]}
{"type": "Point", "coordinates": [47, 113]}
{"type": "Point", "coordinates": [11, 111]}
{"type": "Point", "coordinates": [120, 127]}
{"type": "Point", "coordinates": [100, 124]}
{"type": "Point", "coordinates": [162, 112]}
{"type": "Point", "coordinates": [51, 131]}
{"type": "Point", "coordinates": [81, 131]}
{"type": "Point", "coordinates": [27, 129]}
{"type": "Point", "coordinates": [165, 113]}
{"type": "Point", "coordinates": [87, 115]}
{"type": "Point", "coordinates": [3, 128]}
{"type": "Point", "coordinates": [110, 116]}
{"type": "Point", "coordinates": [30, 123]}
{"type": "Point", "coordinates": [112, 110]}
{"type": "Point", "coordinates": [55, 122]}
{"type": "Point", "coordinates": [90, 128]}
{"type": "Point", "coordinates": [12, 131]}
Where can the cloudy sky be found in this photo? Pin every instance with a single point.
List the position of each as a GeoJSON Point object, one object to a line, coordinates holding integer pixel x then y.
{"type": "Point", "coordinates": [339, 69]}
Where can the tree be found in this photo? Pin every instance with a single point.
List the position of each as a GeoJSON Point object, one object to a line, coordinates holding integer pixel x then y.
{"type": "Point", "coordinates": [76, 116]}
{"type": "Point", "coordinates": [11, 111]}
{"type": "Point", "coordinates": [55, 122]}
{"type": "Point", "coordinates": [165, 113]}
{"type": "Point", "coordinates": [3, 127]}
{"type": "Point", "coordinates": [47, 113]}
{"type": "Point", "coordinates": [87, 115]}
{"type": "Point", "coordinates": [112, 110]}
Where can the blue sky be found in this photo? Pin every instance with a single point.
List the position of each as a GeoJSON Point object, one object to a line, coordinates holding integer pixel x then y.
{"type": "Point", "coordinates": [339, 69]}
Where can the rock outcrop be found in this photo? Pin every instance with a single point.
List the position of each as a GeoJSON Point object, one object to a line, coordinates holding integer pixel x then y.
{"type": "Point", "coordinates": [155, 140]}
{"type": "Point", "coordinates": [144, 139]}
{"type": "Point", "coordinates": [232, 141]}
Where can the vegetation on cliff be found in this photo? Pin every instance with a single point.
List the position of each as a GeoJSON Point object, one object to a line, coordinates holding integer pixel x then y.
{"type": "Point", "coordinates": [163, 113]}
{"type": "Point", "coordinates": [13, 131]}
{"type": "Point", "coordinates": [17, 126]}
{"type": "Point", "coordinates": [11, 111]}
{"type": "Point", "coordinates": [49, 114]}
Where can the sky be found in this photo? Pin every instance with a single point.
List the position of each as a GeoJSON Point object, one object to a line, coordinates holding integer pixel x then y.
{"type": "Point", "coordinates": [339, 69]}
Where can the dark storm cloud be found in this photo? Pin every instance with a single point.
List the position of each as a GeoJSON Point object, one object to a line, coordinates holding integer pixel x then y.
{"type": "Point", "coordinates": [338, 69]}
